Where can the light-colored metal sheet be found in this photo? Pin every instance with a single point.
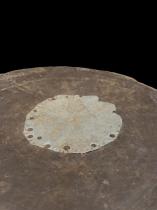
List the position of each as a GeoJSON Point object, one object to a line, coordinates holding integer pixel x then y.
{"type": "Point", "coordinates": [74, 124]}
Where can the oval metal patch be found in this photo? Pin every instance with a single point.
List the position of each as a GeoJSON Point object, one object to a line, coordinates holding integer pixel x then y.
{"type": "Point", "coordinates": [72, 124]}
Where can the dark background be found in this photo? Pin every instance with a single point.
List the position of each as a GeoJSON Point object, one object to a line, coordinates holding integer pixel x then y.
{"type": "Point", "coordinates": [120, 45]}
{"type": "Point", "coordinates": [127, 57]}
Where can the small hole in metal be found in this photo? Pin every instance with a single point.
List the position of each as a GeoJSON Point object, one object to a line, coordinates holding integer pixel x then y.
{"type": "Point", "coordinates": [31, 118]}
{"type": "Point", "coordinates": [39, 137]}
{"type": "Point", "coordinates": [30, 129]}
{"type": "Point", "coordinates": [30, 136]}
{"type": "Point", "coordinates": [112, 135]}
{"type": "Point", "coordinates": [93, 145]}
{"type": "Point", "coordinates": [35, 110]}
{"type": "Point", "coordinates": [66, 148]}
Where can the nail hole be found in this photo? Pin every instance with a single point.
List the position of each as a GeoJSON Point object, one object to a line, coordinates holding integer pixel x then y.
{"type": "Point", "coordinates": [66, 148]}
{"type": "Point", "coordinates": [31, 118]}
{"type": "Point", "coordinates": [30, 129]}
{"type": "Point", "coordinates": [114, 111]}
{"type": "Point", "coordinates": [35, 110]}
{"type": "Point", "coordinates": [30, 136]}
{"type": "Point", "coordinates": [93, 145]}
{"type": "Point", "coordinates": [112, 135]}
{"type": "Point", "coordinates": [39, 137]}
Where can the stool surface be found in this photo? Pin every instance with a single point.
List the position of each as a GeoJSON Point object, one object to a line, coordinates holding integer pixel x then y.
{"type": "Point", "coordinates": [77, 139]}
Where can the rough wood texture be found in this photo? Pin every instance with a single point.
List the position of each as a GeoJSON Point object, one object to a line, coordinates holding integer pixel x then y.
{"type": "Point", "coordinates": [119, 176]}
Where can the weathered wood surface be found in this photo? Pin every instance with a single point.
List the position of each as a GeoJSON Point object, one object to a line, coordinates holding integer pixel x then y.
{"type": "Point", "coordinates": [121, 175]}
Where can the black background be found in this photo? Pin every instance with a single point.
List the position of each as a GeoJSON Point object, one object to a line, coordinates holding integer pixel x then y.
{"type": "Point", "coordinates": [103, 39]}
{"type": "Point", "coordinates": [128, 59]}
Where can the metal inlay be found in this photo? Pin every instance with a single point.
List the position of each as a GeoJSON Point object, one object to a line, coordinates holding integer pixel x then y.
{"type": "Point", "coordinates": [72, 124]}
